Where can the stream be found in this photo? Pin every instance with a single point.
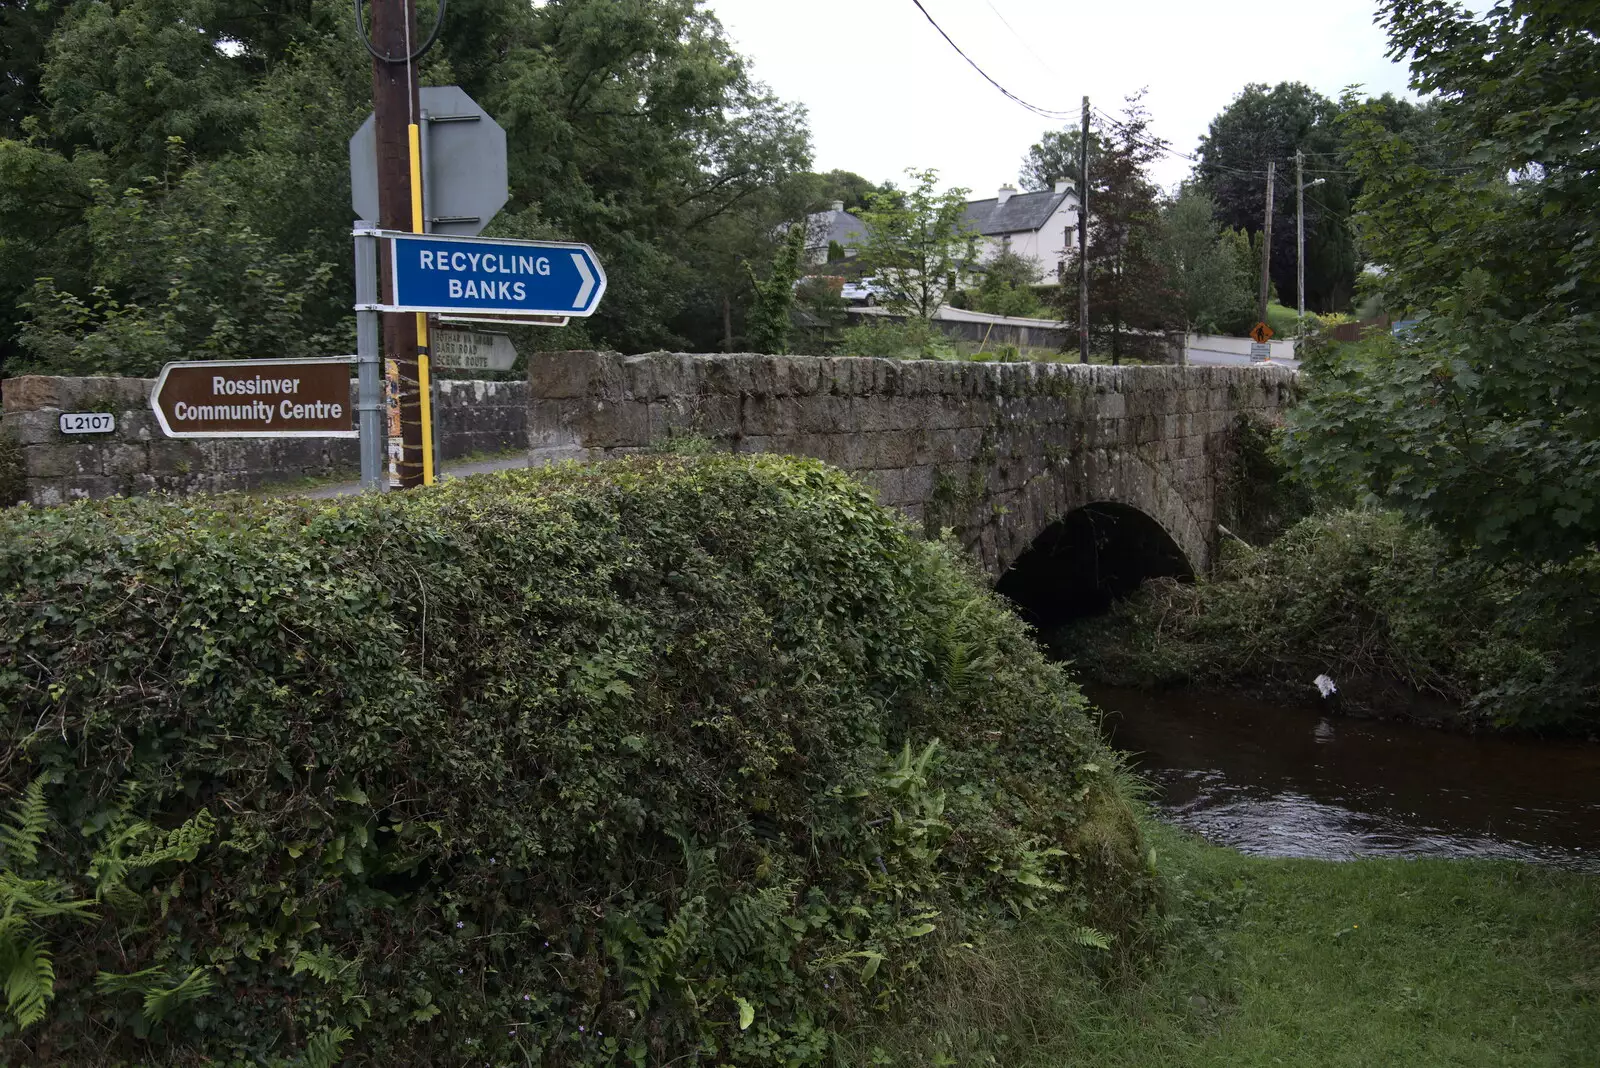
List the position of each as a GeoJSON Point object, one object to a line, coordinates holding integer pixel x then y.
{"type": "Point", "coordinates": [1279, 781]}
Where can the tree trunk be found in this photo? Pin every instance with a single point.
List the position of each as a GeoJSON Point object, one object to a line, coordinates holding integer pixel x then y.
{"type": "Point", "coordinates": [727, 323]}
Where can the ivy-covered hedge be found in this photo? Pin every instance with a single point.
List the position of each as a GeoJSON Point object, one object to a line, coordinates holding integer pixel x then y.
{"type": "Point", "coordinates": [661, 761]}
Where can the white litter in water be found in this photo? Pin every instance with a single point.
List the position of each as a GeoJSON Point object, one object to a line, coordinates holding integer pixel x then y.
{"type": "Point", "coordinates": [1324, 685]}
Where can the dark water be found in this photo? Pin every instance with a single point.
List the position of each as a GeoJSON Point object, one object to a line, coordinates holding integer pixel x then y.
{"type": "Point", "coordinates": [1286, 782]}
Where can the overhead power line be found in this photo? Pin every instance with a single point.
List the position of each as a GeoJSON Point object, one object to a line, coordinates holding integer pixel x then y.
{"type": "Point", "coordinates": [1009, 95]}
{"type": "Point", "coordinates": [1023, 41]}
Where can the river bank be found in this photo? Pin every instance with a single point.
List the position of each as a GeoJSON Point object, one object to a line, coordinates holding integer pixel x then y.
{"type": "Point", "coordinates": [1405, 625]}
{"type": "Point", "coordinates": [1291, 962]}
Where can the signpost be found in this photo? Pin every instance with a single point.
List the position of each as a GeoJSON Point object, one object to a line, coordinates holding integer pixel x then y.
{"type": "Point", "coordinates": [463, 164]}
{"type": "Point", "coordinates": [487, 278]}
{"type": "Point", "coordinates": [255, 399]}
{"type": "Point", "coordinates": [1260, 335]}
{"type": "Point", "coordinates": [435, 161]}
{"type": "Point", "coordinates": [472, 350]}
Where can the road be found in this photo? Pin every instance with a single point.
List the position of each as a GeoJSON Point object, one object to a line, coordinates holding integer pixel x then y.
{"type": "Point", "coordinates": [1226, 359]}
{"type": "Point", "coordinates": [455, 470]}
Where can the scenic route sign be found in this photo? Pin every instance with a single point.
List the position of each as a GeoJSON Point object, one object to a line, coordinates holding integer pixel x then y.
{"type": "Point", "coordinates": [255, 399]}
{"type": "Point", "coordinates": [477, 276]}
{"type": "Point", "coordinates": [471, 350]}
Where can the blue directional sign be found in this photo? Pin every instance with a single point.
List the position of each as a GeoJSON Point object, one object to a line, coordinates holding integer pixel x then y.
{"type": "Point", "coordinates": [485, 276]}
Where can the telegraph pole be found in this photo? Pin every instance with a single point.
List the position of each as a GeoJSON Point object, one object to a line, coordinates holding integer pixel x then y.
{"type": "Point", "coordinates": [395, 110]}
{"type": "Point", "coordinates": [1300, 240]}
{"type": "Point", "coordinates": [1083, 236]}
{"type": "Point", "coordinates": [1266, 254]}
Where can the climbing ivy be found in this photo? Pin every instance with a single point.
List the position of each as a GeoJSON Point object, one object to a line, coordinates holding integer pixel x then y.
{"type": "Point", "coordinates": [667, 760]}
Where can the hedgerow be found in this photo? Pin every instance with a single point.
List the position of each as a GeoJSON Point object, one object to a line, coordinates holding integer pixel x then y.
{"type": "Point", "coordinates": [665, 760]}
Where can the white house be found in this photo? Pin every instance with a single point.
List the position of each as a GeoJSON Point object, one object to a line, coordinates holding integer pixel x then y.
{"type": "Point", "coordinates": [833, 226]}
{"type": "Point", "coordinates": [1033, 225]}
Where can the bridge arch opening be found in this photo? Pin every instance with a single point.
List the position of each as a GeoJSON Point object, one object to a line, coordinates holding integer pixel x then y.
{"type": "Point", "coordinates": [1087, 559]}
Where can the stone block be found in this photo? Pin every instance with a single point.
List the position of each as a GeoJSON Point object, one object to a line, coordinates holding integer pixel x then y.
{"type": "Point", "coordinates": [560, 375]}
{"type": "Point", "coordinates": [609, 423]}
{"type": "Point", "coordinates": [80, 486]}
{"type": "Point", "coordinates": [33, 427]}
{"type": "Point", "coordinates": [138, 424]}
{"type": "Point", "coordinates": [49, 461]}
{"type": "Point", "coordinates": [125, 458]}
{"type": "Point", "coordinates": [173, 456]}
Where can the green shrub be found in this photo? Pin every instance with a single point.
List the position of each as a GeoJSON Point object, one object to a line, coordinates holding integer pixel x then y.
{"type": "Point", "coordinates": [1367, 598]}
{"type": "Point", "coordinates": [911, 340]}
{"type": "Point", "coordinates": [666, 760]}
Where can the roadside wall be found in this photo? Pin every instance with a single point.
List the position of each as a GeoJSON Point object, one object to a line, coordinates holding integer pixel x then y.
{"type": "Point", "coordinates": [52, 467]}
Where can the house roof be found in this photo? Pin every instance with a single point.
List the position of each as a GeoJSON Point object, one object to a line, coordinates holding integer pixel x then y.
{"type": "Point", "coordinates": [825, 226]}
{"type": "Point", "coordinates": [1021, 213]}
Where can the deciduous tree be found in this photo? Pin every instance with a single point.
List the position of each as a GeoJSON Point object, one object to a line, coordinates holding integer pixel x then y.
{"type": "Point", "coordinates": [1485, 420]}
{"type": "Point", "coordinates": [1128, 293]}
{"type": "Point", "coordinates": [917, 245]}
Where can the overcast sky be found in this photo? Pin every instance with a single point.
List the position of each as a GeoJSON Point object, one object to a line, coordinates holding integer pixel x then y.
{"type": "Point", "coordinates": [886, 92]}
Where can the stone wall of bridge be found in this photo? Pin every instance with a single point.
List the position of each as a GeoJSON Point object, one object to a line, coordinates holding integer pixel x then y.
{"type": "Point", "coordinates": [995, 451]}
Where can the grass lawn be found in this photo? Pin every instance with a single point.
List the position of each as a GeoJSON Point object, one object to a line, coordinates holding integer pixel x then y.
{"type": "Point", "coordinates": [1291, 962]}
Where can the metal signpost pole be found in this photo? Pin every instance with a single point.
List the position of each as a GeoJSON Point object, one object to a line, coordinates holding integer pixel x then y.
{"type": "Point", "coordinates": [370, 414]}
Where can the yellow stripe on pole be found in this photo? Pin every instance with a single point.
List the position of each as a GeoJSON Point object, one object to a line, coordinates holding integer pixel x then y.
{"type": "Point", "coordinates": [424, 379]}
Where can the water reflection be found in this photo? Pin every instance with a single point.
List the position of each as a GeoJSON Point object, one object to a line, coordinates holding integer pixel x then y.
{"type": "Point", "coordinates": [1276, 781]}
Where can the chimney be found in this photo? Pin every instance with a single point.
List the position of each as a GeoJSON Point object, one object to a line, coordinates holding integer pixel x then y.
{"type": "Point", "coordinates": [838, 205]}
{"type": "Point", "coordinates": [1062, 185]}
{"type": "Point", "coordinates": [1006, 192]}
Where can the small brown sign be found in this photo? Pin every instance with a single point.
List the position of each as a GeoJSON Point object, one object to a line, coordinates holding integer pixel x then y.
{"type": "Point", "coordinates": [255, 399]}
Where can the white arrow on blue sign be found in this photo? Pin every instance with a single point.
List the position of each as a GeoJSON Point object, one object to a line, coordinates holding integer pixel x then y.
{"type": "Point", "coordinates": [491, 276]}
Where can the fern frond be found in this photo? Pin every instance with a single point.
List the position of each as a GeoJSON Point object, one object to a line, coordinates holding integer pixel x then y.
{"type": "Point", "coordinates": [161, 993]}
{"type": "Point", "coordinates": [752, 919]}
{"type": "Point", "coordinates": [327, 965]}
{"type": "Point", "coordinates": [323, 1049]}
{"type": "Point", "coordinates": [108, 868]}
{"type": "Point", "coordinates": [161, 1002]}
{"type": "Point", "coordinates": [30, 980]}
{"type": "Point", "coordinates": [1091, 938]}
{"type": "Point", "coordinates": [29, 818]}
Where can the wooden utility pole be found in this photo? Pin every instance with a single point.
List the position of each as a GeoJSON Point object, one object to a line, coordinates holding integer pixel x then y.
{"type": "Point", "coordinates": [1300, 240]}
{"type": "Point", "coordinates": [1266, 254]}
{"type": "Point", "coordinates": [1083, 236]}
{"type": "Point", "coordinates": [395, 108]}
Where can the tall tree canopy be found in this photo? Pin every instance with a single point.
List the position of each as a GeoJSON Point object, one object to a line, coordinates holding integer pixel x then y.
{"type": "Point", "coordinates": [1486, 420]}
{"type": "Point", "coordinates": [1213, 286]}
{"type": "Point", "coordinates": [1129, 294]}
{"type": "Point", "coordinates": [1265, 125]}
{"type": "Point", "coordinates": [209, 135]}
{"type": "Point", "coordinates": [1056, 158]}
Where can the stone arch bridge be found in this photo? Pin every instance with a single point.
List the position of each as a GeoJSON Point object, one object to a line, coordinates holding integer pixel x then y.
{"type": "Point", "coordinates": [1123, 467]}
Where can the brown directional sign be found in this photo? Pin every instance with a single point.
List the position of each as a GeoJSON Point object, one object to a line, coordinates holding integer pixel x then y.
{"type": "Point", "coordinates": [255, 399]}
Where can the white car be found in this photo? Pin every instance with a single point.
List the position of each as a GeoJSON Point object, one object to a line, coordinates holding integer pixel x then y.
{"type": "Point", "coordinates": [863, 291]}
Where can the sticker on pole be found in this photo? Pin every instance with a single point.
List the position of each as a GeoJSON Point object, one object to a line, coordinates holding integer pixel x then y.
{"type": "Point", "coordinates": [255, 399]}
{"type": "Point", "coordinates": [481, 276]}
